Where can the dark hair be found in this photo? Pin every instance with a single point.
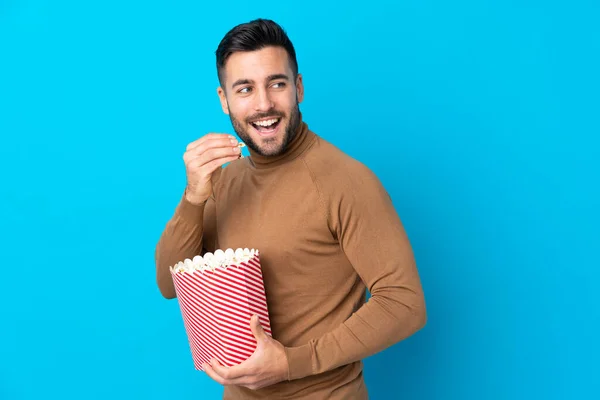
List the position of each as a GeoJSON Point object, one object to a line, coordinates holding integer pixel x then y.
{"type": "Point", "coordinates": [251, 36]}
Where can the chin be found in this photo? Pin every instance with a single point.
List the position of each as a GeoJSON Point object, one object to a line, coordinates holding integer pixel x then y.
{"type": "Point", "coordinates": [270, 147]}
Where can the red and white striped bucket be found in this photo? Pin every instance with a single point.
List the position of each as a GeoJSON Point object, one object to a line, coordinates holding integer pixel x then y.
{"type": "Point", "coordinates": [216, 307]}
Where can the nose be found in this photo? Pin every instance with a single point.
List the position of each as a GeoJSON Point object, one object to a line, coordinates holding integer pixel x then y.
{"type": "Point", "coordinates": [263, 101]}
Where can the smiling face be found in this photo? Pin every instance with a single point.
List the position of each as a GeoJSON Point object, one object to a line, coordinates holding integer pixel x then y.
{"type": "Point", "coordinates": [261, 97]}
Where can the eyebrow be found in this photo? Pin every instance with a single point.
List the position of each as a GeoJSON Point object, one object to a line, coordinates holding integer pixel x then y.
{"type": "Point", "coordinates": [269, 78]}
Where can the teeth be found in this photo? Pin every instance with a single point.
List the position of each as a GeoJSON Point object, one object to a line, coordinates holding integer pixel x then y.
{"type": "Point", "coordinates": [267, 122]}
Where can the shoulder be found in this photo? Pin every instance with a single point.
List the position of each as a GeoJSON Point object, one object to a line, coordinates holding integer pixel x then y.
{"type": "Point", "coordinates": [350, 192]}
{"type": "Point", "coordinates": [336, 171]}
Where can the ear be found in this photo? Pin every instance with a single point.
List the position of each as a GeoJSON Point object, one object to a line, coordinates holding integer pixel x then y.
{"type": "Point", "coordinates": [299, 88]}
{"type": "Point", "coordinates": [223, 100]}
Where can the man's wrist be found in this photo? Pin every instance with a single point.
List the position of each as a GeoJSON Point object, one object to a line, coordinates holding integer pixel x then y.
{"type": "Point", "coordinates": [192, 198]}
{"type": "Point", "coordinates": [191, 211]}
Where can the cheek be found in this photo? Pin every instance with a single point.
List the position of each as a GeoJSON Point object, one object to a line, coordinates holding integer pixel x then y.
{"type": "Point", "coordinates": [282, 104]}
{"type": "Point", "coordinates": [247, 103]}
{"type": "Point", "coordinates": [238, 110]}
{"type": "Point", "coordinates": [289, 101]}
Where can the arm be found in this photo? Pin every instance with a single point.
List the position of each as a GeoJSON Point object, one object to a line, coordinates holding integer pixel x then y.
{"type": "Point", "coordinates": [189, 232]}
{"type": "Point", "coordinates": [192, 227]}
{"type": "Point", "coordinates": [362, 217]}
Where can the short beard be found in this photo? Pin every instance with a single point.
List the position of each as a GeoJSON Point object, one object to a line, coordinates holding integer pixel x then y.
{"type": "Point", "coordinates": [289, 135]}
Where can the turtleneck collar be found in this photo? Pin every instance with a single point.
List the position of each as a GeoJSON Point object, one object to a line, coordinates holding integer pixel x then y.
{"type": "Point", "coordinates": [299, 143]}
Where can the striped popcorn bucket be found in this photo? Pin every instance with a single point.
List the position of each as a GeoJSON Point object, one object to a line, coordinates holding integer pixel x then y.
{"type": "Point", "coordinates": [216, 307]}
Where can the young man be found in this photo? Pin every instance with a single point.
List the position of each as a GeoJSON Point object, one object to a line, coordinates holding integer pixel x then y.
{"type": "Point", "coordinates": [325, 227]}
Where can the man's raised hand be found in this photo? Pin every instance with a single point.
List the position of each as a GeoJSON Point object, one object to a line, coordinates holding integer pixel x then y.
{"type": "Point", "coordinates": [202, 157]}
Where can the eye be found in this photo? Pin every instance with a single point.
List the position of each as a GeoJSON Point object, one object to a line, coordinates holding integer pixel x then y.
{"type": "Point", "coordinates": [278, 85]}
{"type": "Point", "coordinates": [245, 90]}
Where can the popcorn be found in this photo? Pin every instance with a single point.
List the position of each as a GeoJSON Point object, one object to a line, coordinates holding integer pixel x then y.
{"type": "Point", "coordinates": [210, 261]}
{"type": "Point", "coordinates": [218, 293]}
{"type": "Point", "coordinates": [240, 145]}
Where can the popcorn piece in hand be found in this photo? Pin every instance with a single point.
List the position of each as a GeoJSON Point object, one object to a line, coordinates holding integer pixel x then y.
{"type": "Point", "coordinates": [240, 145]}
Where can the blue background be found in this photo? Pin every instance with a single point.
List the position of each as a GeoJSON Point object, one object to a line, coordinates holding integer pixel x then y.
{"type": "Point", "coordinates": [481, 119]}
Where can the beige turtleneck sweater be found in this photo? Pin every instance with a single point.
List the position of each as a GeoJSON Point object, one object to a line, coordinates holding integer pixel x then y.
{"type": "Point", "coordinates": [327, 231]}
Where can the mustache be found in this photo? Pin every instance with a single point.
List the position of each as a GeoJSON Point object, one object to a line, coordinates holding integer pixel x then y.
{"type": "Point", "coordinates": [271, 114]}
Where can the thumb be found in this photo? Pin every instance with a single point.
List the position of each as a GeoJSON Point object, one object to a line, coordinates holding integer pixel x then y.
{"type": "Point", "coordinates": [257, 330]}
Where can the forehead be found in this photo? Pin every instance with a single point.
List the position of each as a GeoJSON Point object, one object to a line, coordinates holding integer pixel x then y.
{"type": "Point", "coordinates": [257, 65]}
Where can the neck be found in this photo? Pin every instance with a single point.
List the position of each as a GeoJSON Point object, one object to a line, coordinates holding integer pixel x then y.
{"type": "Point", "coordinates": [294, 148]}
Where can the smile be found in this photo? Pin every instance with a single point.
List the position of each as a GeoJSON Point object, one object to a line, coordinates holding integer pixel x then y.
{"type": "Point", "coordinates": [266, 126]}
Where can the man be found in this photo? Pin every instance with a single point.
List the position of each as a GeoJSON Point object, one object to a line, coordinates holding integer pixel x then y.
{"type": "Point", "coordinates": [325, 227]}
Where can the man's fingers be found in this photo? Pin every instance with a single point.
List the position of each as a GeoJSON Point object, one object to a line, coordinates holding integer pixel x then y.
{"type": "Point", "coordinates": [214, 154]}
{"type": "Point", "coordinates": [210, 166]}
{"type": "Point", "coordinates": [213, 165]}
{"type": "Point", "coordinates": [216, 377]}
{"type": "Point", "coordinates": [212, 150]}
{"type": "Point", "coordinates": [201, 148]}
{"type": "Point", "coordinates": [220, 370]}
{"type": "Point", "coordinates": [209, 137]}
{"type": "Point", "coordinates": [257, 329]}
{"type": "Point", "coordinates": [230, 374]}
{"type": "Point", "coordinates": [212, 138]}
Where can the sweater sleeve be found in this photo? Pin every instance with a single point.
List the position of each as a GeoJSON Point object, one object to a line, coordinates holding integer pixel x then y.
{"type": "Point", "coordinates": [189, 232]}
{"type": "Point", "coordinates": [362, 217]}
